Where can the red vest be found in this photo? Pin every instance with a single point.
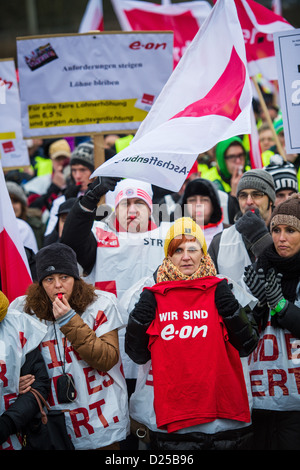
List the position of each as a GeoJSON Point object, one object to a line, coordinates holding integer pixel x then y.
{"type": "Point", "coordinates": [197, 373]}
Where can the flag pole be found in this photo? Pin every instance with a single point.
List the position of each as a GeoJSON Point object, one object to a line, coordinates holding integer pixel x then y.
{"type": "Point", "coordinates": [269, 120]}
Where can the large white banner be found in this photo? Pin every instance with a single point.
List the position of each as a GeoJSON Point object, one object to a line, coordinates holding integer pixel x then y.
{"type": "Point", "coordinates": [13, 149]}
{"type": "Point", "coordinates": [92, 82]}
{"type": "Point", "coordinates": [207, 99]}
{"type": "Point", "coordinates": [287, 52]}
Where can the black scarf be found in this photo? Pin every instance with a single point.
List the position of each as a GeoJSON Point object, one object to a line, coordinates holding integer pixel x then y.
{"type": "Point", "coordinates": [289, 267]}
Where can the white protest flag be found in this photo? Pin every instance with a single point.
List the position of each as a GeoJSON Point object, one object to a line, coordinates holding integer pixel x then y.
{"type": "Point", "coordinates": [14, 269]}
{"type": "Point", "coordinates": [93, 17]}
{"type": "Point", "coordinates": [206, 99]}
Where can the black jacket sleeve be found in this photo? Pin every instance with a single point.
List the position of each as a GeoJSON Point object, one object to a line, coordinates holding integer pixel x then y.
{"type": "Point", "coordinates": [289, 318]}
{"type": "Point", "coordinates": [78, 235]}
{"type": "Point", "coordinates": [239, 321]}
{"type": "Point", "coordinates": [25, 407]}
{"type": "Point", "coordinates": [136, 338]}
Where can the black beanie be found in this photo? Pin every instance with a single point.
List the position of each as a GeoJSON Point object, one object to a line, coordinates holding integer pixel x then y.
{"type": "Point", "coordinates": [56, 258]}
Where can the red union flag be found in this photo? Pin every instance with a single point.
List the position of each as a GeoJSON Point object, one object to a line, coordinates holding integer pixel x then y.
{"type": "Point", "coordinates": [14, 270]}
{"type": "Point", "coordinates": [258, 24]}
{"type": "Point", "coordinates": [93, 17]}
{"type": "Point", "coordinates": [206, 99]}
{"type": "Point", "coordinates": [183, 18]}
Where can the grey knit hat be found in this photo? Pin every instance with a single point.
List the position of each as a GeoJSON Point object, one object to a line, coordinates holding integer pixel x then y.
{"type": "Point", "coordinates": [284, 173]}
{"type": "Point", "coordinates": [83, 154]}
{"type": "Point", "coordinates": [56, 258]}
{"type": "Point", "coordinates": [14, 189]}
{"type": "Point", "coordinates": [257, 179]}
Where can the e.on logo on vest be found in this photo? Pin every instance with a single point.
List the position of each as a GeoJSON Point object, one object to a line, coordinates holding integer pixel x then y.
{"type": "Point", "coordinates": [106, 239]}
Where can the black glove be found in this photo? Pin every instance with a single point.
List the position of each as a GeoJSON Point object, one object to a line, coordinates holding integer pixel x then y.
{"type": "Point", "coordinates": [225, 301]}
{"type": "Point", "coordinates": [145, 308]}
{"type": "Point", "coordinates": [72, 190]}
{"type": "Point", "coordinates": [100, 186]}
{"type": "Point", "coordinates": [273, 288]}
{"type": "Point", "coordinates": [251, 226]}
{"type": "Point", "coordinates": [256, 283]}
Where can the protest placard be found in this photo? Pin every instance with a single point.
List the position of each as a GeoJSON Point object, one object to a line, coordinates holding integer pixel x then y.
{"type": "Point", "coordinates": [13, 149]}
{"type": "Point", "coordinates": [287, 48]}
{"type": "Point", "coordinates": [90, 83]}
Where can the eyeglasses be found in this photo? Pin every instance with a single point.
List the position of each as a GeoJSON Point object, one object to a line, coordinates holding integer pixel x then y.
{"type": "Point", "coordinates": [254, 195]}
{"type": "Point", "coordinates": [235, 157]}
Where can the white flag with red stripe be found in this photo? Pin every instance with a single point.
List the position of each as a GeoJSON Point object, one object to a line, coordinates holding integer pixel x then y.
{"type": "Point", "coordinates": [14, 269]}
{"type": "Point", "coordinates": [93, 17]}
{"type": "Point", "coordinates": [206, 99]}
{"type": "Point", "coordinates": [184, 19]}
{"type": "Point", "coordinates": [258, 24]}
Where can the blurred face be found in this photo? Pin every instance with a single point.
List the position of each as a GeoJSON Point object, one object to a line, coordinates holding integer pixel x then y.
{"type": "Point", "coordinates": [17, 207]}
{"type": "Point", "coordinates": [286, 240]}
{"type": "Point", "coordinates": [58, 283]}
{"type": "Point", "coordinates": [81, 175]}
{"type": "Point", "coordinates": [133, 215]}
{"type": "Point", "coordinates": [251, 199]}
{"type": "Point", "coordinates": [266, 139]}
{"type": "Point", "coordinates": [187, 256]}
{"type": "Point", "coordinates": [200, 209]}
{"type": "Point", "coordinates": [282, 195]}
{"type": "Point", "coordinates": [235, 158]}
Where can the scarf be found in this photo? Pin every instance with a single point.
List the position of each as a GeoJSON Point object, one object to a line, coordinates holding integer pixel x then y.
{"type": "Point", "coordinates": [288, 267]}
{"type": "Point", "coordinates": [167, 271]}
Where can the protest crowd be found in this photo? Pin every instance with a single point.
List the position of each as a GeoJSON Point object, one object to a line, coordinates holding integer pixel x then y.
{"type": "Point", "coordinates": [154, 319]}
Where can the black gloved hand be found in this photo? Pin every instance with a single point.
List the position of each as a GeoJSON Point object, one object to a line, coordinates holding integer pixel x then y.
{"type": "Point", "coordinates": [273, 288]}
{"type": "Point", "coordinates": [256, 283]}
{"type": "Point", "coordinates": [100, 186]}
{"type": "Point", "coordinates": [226, 302]}
{"type": "Point", "coordinates": [145, 308]}
{"type": "Point", "coordinates": [251, 226]}
{"type": "Point", "coordinates": [72, 190]}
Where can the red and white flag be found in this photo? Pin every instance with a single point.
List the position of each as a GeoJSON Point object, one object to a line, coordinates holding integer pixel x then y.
{"type": "Point", "coordinates": [14, 269]}
{"type": "Point", "coordinates": [258, 24]}
{"type": "Point", "coordinates": [184, 19]}
{"type": "Point", "coordinates": [206, 99]}
{"type": "Point", "coordinates": [93, 17]}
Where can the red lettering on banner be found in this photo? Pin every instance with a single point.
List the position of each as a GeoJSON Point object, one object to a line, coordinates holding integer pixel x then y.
{"type": "Point", "coordinates": [106, 383]}
{"type": "Point", "coordinates": [256, 383]}
{"type": "Point", "coordinates": [292, 347]}
{"type": "Point", "coordinates": [8, 398]}
{"type": "Point", "coordinates": [277, 383]}
{"type": "Point", "coordinates": [149, 380]}
{"type": "Point", "coordinates": [107, 286]}
{"type": "Point", "coordinates": [89, 379]}
{"type": "Point", "coordinates": [296, 372]}
{"type": "Point", "coordinates": [100, 319]}
{"type": "Point", "coordinates": [84, 421]}
{"type": "Point", "coordinates": [51, 346]}
{"type": "Point", "coordinates": [260, 354]}
{"type": "Point", "coordinates": [3, 371]}
{"type": "Point", "coordinates": [97, 406]}
{"type": "Point", "coordinates": [23, 340]}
